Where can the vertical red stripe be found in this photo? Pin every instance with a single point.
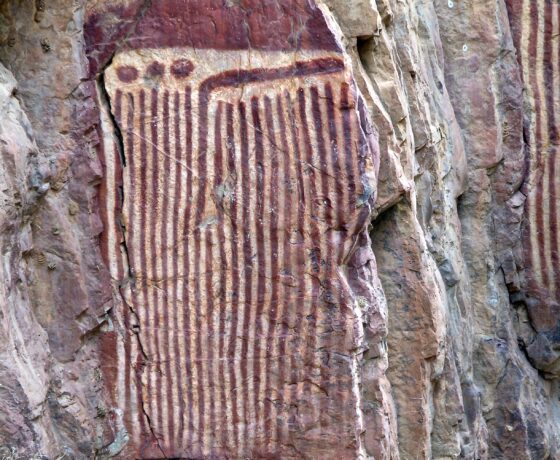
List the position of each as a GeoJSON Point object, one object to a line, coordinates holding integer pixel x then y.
{"type": "Point", "coordinates": [346, 113]}
{"type": "Point", "coordinates": [333, 296]}
{"type": "Point", "coordinates": [346, 108]}
{"type": "Point", "coordinates": [103, 193]}
{"type": "Point", "coordinates": [259, 168]}
{"type": "Point", "coordinates": [166, 345]}
{"type": "Point", "coordinates": [197, 236]}
{"type": "Point", "coordinates": [247, 258]}
{"type": "Point", "coordinates": [130, 168]}
{"type": "Point", "coordinates": [552, 141]}
{"type": "Point", "coordinates": [175, 245]}
{"type": "Point", "coordinates": [527, 228]}
{"type": "Point", "coordinates": [275, 188]}
{"type": "Point", "coordinates": [152, 221]}
{"type": "Point", "coordinates": [297, 312]}
{"type": "Point", "coordinates": [314, 254]}
{"type": "Point", "coordinates": [335, 158]}
{"type": "Point", "coordinates": [326, 258]}
{"type": "Point", "coordinates": [538, 140]}
{"type": "Point", "coordinates": [142, 270]}
{"type": "Point", "coordinates": [285, 184]}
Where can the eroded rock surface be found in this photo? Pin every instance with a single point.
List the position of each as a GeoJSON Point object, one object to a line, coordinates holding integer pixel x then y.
{"type": "Point", "coordinates": [279, 229]}
{"type": "Point", "coordinates": [534, 27]}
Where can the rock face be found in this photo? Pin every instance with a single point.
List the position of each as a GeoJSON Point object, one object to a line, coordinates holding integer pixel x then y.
{"type": "Point", "coordinates": [533, 26]}
{"type": "Point", "coordinates": [247, 179]}
{"type": "Point", "coordinates": [279, 229]}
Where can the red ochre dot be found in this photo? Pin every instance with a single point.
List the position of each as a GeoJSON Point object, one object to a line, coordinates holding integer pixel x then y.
{"type": "Point", "coordinates": [127, 73]}
{"type": "Point", "coordinates": [155, 69]}
{"type": "Point", "coordinates": [181, 68]}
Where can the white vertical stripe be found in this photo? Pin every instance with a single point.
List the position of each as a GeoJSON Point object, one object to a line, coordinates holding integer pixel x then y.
{"type": "Point", "coordinates": [306, 294]}
{"type": "Point", "coordinates": [171, 276]}
{"type": "Point", "coordinates": [133, 174]}
{"type": "Point", "coordinates": [543, 166]}
{"type": "Point", "coordinates": [531, 198]}
{"type": "Point", "coordinates": [267, 152]}
{"type": "Point", "coordinates": [190, 282]}
{"type": "Point", "coordinates": [252, 229]}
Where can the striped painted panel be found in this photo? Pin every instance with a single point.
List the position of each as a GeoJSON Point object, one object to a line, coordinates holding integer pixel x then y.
{"type": "Point", "coordinates": [536, 28]}
{"type": "Point", "coordinates": [243, 191]}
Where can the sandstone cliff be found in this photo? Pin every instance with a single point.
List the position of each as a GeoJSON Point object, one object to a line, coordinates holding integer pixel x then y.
{"type": "Point", "coordinates": [279, 229]}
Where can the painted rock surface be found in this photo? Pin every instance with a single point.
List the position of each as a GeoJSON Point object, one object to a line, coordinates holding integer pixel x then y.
{"type": "Point", "coordinates": [240, 171]}
{"type": "Point", "coordinates": [535, 26]}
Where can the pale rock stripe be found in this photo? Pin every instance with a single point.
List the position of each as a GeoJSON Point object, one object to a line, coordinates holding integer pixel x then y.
{"type": "Point", "coordinates": [299, 208]}
{"type": "Point", "coordinates": [191, 146]}
{"type": "Point", "coordinates": [136, 249]}
{"type": "Point", "coordinates": [124, 369]}
{"type": "Point", "coordinates": [109, 145]}
{"type": "Point", "coordinates": [307, 283]}
{"type": "Point", "coordinates": [318, 208]}
{"type": "Point", "coordinates": [260, 369]}
{"type": "Point", "coordinates": [546, 259]}
{"type": "Point", "coordinates": [526, 30]}
{"type": "Point", "coordinates": [128, 176]}
{"type": "Point", "coordinates": [170, 275]}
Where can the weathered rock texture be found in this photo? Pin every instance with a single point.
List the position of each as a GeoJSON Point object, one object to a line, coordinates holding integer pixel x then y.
{"type": "Point", "coordinates": [279, 229]}
{"type": "Point", "coordinates": [535, 28]}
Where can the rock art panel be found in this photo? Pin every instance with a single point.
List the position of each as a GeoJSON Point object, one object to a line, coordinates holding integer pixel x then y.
{"type": "Point", "coordinates": [535, 27]}
{"type": "Point", "coordinates": [240, 172]}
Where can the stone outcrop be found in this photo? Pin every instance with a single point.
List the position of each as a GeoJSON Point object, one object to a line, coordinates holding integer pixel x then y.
{"type": "Point", "coordinates": [56, 289]}
{"type": "Point", "coordinates": [279, 229]}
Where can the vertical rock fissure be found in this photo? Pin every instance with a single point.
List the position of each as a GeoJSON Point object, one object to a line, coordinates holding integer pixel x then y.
{"type": "Point", "coordinates": [105, 101]}
{"type": "Point", "coordinates": [104, 95]}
